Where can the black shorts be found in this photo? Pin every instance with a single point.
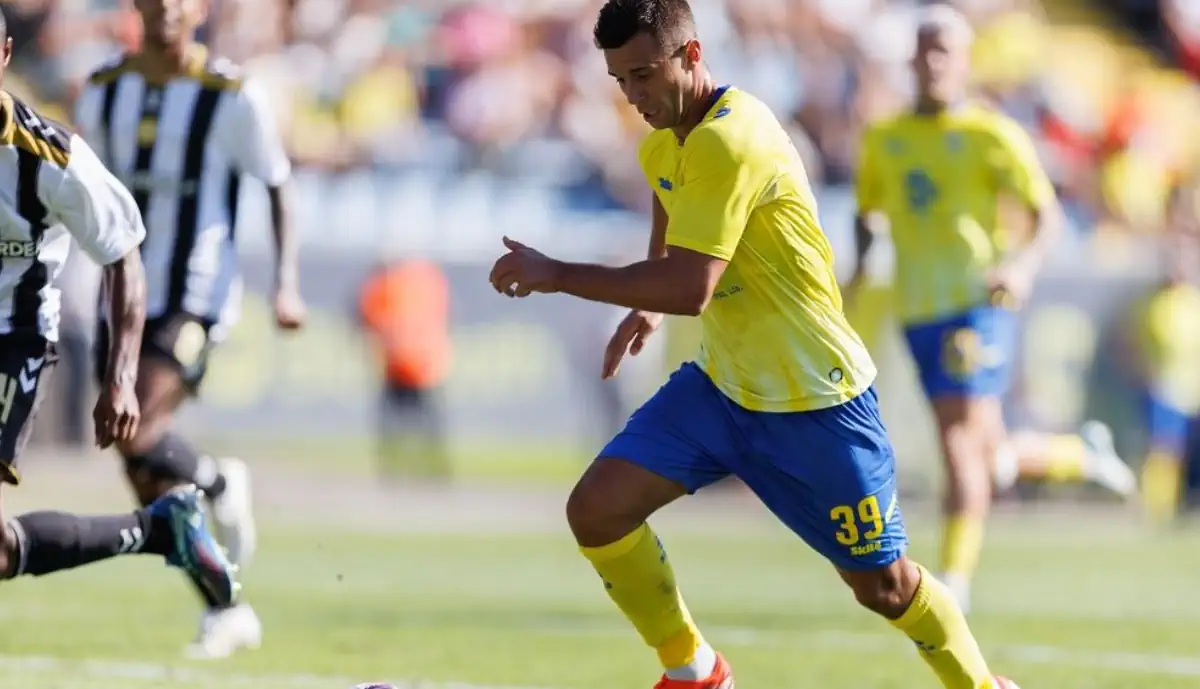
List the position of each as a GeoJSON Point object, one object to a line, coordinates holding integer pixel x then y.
{"type": "Point", "coordinates": [180, 339]}
{"type": "Point", "coordinates": [25, 364]}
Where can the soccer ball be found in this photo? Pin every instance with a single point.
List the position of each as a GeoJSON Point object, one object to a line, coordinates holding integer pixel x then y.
{"type": "Point", "coordinates": [1006, 683]}
{"type": "Point", "coordinates": [382, 685]}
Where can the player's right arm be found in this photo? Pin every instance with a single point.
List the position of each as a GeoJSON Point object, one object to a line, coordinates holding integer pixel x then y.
{"type": "Point", "coordinates": [869, 197]}
{"type": "Point", "coordinates": [658, 230]}
{"type": "Point", "coordinates": [633, 330]}
{"type": "Point", "coordinates": [104, 220]}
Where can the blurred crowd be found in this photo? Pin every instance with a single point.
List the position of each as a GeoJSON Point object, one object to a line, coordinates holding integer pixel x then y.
{"type": "Point", "coordinates": [513, 90]}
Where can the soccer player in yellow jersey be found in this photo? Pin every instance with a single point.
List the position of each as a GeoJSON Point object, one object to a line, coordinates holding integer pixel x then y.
{"type": "Point", "coordinates": [1168, 326]}
{"type": "Point", "coordinates": [780, 395]}
{"type": "Point", "coordinates": [939, 174]}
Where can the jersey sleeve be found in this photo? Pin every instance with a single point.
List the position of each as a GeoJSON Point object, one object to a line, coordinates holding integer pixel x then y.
{"type": "Point", "coordinates": [868, 187]}
{"type": "Point", "coordinates": [718, 192]}
{"type": "Point", "coordinates": [1015, 165]}
{"type": "Point", "coordinates": [253, 137]}
{"type": "Point", "coordinates": [94, 207]}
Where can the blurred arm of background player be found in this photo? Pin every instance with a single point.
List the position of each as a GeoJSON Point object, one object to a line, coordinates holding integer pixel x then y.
{"type": "Point", "coordinates": [632, 332]}
{"type": "Point", "coordinates": [258, 151]}
{"type": "Point", "coordinates": [1012, 281]}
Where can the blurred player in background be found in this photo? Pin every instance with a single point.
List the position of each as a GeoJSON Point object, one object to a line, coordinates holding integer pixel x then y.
{"type": "Point", "coordinates": [781, 395]}
{"type": "Point", "coordinates": [1166, 328]}
{"type": "Point", "coordinates": [405, 307]}
{"type": "Point", "coordinates": [56, 189]}
{"type": "Point", "coordinates": [939, 174]}
{"type": "Point", "coordinates": [180, 128]}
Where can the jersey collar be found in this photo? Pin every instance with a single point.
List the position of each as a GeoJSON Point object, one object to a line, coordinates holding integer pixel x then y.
{"type": "Point", "coordinates": [714, 99]}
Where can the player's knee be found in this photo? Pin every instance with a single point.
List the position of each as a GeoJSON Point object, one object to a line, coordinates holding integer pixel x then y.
{"type": "Point", "coordinates": [598, 516]}
{"type": "Point", "coordinates": [588, 515]}
{"type": "Point", "coordinates": [887, 591]}
{"type": "Point", "coordinates": [150, 431]}
{"type": "Point", "coordinates": [145, 486]}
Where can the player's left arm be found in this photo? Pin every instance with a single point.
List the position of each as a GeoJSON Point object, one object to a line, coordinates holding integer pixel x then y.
{"type": "Point", "coordinates": [102, 216]}
{"type": "Point", "coordinates": [257, 149]}
{"type": "Point", "coordinates": [703, 231]}
{"type": "Point", "coordinates": [1017, 171]}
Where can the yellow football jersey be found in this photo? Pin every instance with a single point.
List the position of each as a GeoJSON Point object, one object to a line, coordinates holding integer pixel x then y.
{"type": "Point", "coordinates": [940, 180]}
{"type": "Point", "coordinates": [1170, 325]}
{"type": "Point", "coordinates": [774, 337]}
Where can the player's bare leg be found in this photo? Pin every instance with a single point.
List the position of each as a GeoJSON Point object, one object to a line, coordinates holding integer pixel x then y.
{"type": "Point", "coordinates": [607, 512]}
{"type": "Point", "coordinates": [966, 433]}
{"type": "Point", "coordinates": [924, 609]}
{"type": "Point", "coordinates": [157, 461]}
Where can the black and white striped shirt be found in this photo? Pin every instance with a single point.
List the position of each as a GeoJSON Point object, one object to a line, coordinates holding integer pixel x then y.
{"type": "Point", "coordinates": [52, 188]}
{"type": "Point", "coordinates": [181, 147]}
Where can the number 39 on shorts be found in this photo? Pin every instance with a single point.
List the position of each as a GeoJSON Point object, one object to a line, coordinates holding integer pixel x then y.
{"type": "Point", "coordinates": [864, 522]}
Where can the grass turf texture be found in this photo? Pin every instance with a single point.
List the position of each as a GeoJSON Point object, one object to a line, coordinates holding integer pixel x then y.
{"type": "Point", "coordinates": [356, 585]}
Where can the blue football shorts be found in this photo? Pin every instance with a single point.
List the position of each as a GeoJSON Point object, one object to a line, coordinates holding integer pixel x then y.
{"type": "Point", "coordinates": [828, 474]}
{"type": "Point", "coordinates": [966, 355]}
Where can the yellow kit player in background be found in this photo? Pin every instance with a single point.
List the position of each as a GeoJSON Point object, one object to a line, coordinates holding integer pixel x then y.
{"type": "Point", "coordinates": [1166, 330]}
{"type": "Point", "coordinates": [939, 174]}
{"type": "Point", "coordinates": [781, 393]}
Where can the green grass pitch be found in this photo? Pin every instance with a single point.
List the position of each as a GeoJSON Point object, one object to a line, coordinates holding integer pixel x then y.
{"type": "Point", "coordinates": [485, 590]}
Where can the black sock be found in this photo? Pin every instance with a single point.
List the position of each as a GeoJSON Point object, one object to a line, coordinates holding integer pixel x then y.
{"type": "Point", "coordinates": [53, 541]}
{"type": "Point", "coordinates": [174, 459]}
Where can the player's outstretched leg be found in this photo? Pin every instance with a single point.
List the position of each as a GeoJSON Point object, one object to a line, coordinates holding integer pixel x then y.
{"type": "Point", "coordinates": [40, 543]}
{"type": "Point", "coordinates": [923, 608]}
{"type": "Point", "coordinates": [607, 512]}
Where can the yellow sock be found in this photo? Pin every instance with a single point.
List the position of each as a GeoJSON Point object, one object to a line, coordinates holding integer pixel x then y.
{"type": "Point", "coordinates": [1162, 479]}
{"type": "Point", "coordinates": [962, 541]}
{"type": "Point", "coordinates": [640, 581]}
{"type": "Point", "coordinates": [935, 623]}
{"type": "Point", "coordinates": [1066, 458]}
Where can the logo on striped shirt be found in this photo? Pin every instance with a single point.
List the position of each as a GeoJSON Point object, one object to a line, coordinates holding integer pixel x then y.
{"type": "Point", "coordinates": [19, 249]}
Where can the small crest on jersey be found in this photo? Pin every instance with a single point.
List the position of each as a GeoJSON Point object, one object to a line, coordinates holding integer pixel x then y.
{"type": "Point", "coordinates": [665, 184]}
{"type": "Point", "coordinates": [836, 375]}
{"type": "Point", "coordinates": [725, 110]}
{"type": "Point", "coordinates": [893, 146]}
{"type": "Point", "coordinates": [954, 142]}
{"type": "Point", "coordinates": [147, 132]}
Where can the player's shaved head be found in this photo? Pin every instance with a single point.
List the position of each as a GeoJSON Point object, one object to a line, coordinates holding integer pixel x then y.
{"type": "Point", "coordinates": [669, 22]}
{"type": "Point", "coordinates": [652, 51]}
{"type": "Point", "coordinates": [942, 58]}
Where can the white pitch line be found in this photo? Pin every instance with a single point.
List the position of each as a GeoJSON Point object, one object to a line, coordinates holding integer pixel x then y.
{"type": "Point", "coordinates": [1134, 663]}
{"type": "Point", "coordinates": [100, 669]}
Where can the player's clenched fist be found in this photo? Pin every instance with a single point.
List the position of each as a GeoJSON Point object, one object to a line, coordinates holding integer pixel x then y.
{"type": "Point", "coordinates": [630, 336]}
{"type": "Point", "coordinates": [523, 271]}
{"type": "Point", "coordinates": [117, 415]}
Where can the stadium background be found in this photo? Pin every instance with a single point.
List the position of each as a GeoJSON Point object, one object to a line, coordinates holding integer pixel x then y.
{"type": "Point", "coordinates": [432, 128]}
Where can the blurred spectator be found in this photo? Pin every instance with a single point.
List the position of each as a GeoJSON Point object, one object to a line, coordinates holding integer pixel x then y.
{"type": "Point", "coordinates": [508, 102]}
